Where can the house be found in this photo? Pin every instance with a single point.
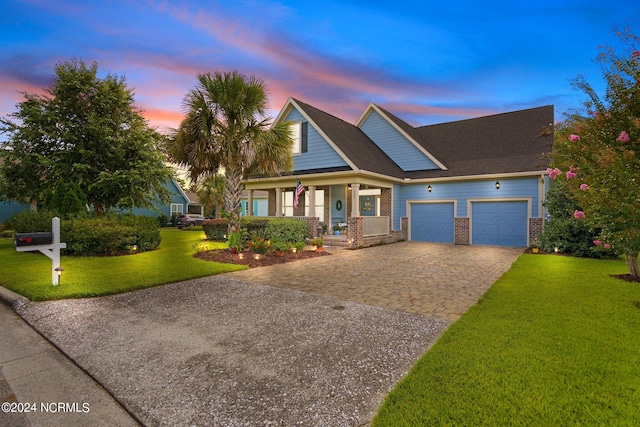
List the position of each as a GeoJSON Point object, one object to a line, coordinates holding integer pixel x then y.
{"type": "Point", "coordinates": [476, 181]}
{"type": "Point", "coordinates": [181, 202]}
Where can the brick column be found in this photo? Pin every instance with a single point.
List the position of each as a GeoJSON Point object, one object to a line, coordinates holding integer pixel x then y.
{"type": "Point", "coordinates": [404, 227]}
{"type": "Point", "coordinates": [355, 231]}
{"type": "Point", "coordinates": [461, 234]}
{"type": "Point", "coordinates": [535, 228]}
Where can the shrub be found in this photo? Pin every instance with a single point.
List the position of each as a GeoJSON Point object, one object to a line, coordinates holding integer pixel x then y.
{"type": "Point", "coordinates": [253, 225]}
{"type": "Point", "coordinates": [287, 229]}
{"type": "Point", "coordinates": [163, 220]}
{"type": "Point", "coordinates": [215, 229]}
{"type": "Point", "coordinates": [110, 235]}
{"type": "Point", "coordinates": [30, 221]}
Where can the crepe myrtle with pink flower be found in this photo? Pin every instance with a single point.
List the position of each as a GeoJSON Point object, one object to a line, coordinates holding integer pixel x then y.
{"type": "Point", "coordinates": [597, 152]}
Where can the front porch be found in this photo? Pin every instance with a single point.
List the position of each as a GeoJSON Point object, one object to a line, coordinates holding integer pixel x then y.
{"type": "Point", "coordinates": [344, 214]}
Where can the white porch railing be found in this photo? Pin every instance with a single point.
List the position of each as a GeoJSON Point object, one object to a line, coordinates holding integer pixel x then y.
{"type": "Point", "coordinates": [375, 226]}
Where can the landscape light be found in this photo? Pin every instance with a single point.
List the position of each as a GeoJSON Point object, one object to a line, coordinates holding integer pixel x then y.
{"type": "Point", "coordinates": [59, 270]}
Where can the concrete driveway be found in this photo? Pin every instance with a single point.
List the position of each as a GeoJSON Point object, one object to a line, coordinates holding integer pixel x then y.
{"type": "Point", "coordinates": [226, 350]}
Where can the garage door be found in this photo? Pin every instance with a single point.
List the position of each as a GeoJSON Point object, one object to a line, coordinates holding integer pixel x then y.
{"type": "Point", "coordinates": [432, 222]}
{"type": "Point", "coordinates": [499, 223]}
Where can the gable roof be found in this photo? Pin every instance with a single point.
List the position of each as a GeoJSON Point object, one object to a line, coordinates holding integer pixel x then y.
{"type": "Point", "coordinates": [350, 140]}
{"type": "Point", "coordinates": [408, 131]}
{"type": "Point", "coordinates": [503, 143]}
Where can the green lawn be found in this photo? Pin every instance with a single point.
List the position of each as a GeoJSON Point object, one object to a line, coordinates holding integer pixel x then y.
{"type": "Point", "coordinates": [554, 342]}
{"type": "Point", "coordinates": [29, 273]}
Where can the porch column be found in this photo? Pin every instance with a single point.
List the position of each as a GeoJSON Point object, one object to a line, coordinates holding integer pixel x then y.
{"type": "Point", "coordinates": [250, 204]}
{"type": "Point", "coordinates": [278, 201]}
{"type": "Point", "coordinates": [355, 199]}
{"type": "Point", "coordinates": [312, 200]}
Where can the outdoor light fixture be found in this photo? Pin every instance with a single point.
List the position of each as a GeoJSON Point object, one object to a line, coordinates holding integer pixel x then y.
{"type": "Point", "coordinates": [429, 189]}
{"type": "Point", "coordinates": [556, 249]}
{"type": "Point", "coordinates": [256, 256]}
{"type": "Point", "coordinates": [59, 270]}
{"type": "Point", "coordinates": [240, 256]}
{"type": "Point", "coordinates": [294, 250]}
{"type": "Point", "coordinates": [497, 185]}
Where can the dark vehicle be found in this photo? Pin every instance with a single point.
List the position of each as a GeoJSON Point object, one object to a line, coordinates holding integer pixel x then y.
{"type": "Point", "coordinates": [189, 220]}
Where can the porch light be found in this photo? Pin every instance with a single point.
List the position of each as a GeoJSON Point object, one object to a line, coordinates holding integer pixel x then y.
{"type": "Point", "coordinates": [429, 189]}
{"type": "Point", "coordinates": [59, 270]}
{"type": "Point", "coordinates": [497, 185]}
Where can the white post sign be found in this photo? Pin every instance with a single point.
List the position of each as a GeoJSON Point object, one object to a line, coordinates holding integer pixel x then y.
{"type": "Point", "coordinates": [51, 250]}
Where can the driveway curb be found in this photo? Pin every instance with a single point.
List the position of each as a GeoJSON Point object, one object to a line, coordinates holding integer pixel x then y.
{"type": "Point", "coordinates": [12, 299]}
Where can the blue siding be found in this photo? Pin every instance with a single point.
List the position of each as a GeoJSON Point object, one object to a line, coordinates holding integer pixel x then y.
{"type": "Point", "coordinates": [320, 153]}
{"type": "Point", "coordinates": [499, 223]}
{"type": "Point", "coordinates": [398, 207]}
{"type": "Point", "coordinates": [432, 222]}
{"type": "Point", "coordinates": [463, 190]}
{"type": "Point", "coordinates": [395, 145]}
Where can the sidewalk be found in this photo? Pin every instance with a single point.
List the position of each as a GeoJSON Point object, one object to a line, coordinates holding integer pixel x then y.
{"type": "Point", "coordinates": [34, 372]}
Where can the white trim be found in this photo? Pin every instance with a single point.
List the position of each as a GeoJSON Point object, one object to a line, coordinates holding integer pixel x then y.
{"type": "Point", "coordinates": [408, 204]}
{"type": "Point", "coordinates": [529, 201]}
{"type": "Point", "coordinates": [373, 106]}
{"type": "Point", "coordinates": [285, 111]}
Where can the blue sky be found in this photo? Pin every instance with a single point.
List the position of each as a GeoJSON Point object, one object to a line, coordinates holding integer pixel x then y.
{"type": "Point", "coordinates": [426, 61]}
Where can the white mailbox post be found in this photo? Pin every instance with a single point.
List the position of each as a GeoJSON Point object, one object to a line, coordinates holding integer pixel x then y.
{"type": "Point", "coordinates": [49, 245]}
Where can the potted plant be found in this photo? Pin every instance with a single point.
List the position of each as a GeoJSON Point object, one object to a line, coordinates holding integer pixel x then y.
{"type": "Point", "coordinates": [318, 244]}
{"type": "Point", "coordinates": [535, 246]}
{"type": "Point", "coordinates": [279, 247]}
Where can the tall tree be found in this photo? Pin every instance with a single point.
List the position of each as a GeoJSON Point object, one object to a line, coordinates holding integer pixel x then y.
{"type": "Point", "coordinates": [598, 153]}
{"type": "Point", "coordinates": [83, 131]}
{"type": "Point", "coordinates": [226, 130]}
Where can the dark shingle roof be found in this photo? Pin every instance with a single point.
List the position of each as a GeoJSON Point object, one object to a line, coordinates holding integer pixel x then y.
{"type": "Point", "coordinates": [502, 143]}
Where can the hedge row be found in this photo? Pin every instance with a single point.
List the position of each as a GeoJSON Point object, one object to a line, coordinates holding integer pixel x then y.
{"type": "Point", "coordinates": [94, 236]}
{"type": "Point", "coordinates": [289, 230]}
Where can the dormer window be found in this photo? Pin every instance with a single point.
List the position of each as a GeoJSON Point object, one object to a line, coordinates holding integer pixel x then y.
{"type": "Point", "coordinates": [299, 137]}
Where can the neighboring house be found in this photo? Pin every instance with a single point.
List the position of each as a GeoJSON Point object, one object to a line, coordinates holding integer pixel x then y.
{"type": "Point", "coordinates": [181, 202]}
{"type": "Point", "coordinates": [476, 181]}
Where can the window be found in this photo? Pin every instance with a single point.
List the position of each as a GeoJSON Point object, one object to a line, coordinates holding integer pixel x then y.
{"type": "Point", "coordinates": [176, 209]}
{"type": "Point", "coordinates": [299, 137]}
{"type": "Point", "coordinates": [287, 203]}
{"type": "Point", "coordinates": [319, 205]}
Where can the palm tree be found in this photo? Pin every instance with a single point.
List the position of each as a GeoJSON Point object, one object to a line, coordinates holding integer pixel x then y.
{"type": "Point", "coordinates": [226, 129]}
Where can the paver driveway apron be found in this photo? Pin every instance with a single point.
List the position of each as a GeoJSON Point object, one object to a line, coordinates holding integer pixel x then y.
{"type": "Point", "coordinates": [427, 278]}
{"type": "Point", "coordinates": [223, 351]}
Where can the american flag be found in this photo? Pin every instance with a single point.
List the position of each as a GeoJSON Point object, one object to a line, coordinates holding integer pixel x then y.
{"type": "Point", "coordinates": [299, 191]}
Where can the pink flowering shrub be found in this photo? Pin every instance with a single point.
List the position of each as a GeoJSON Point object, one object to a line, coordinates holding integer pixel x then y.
{"type": "Point", "coordinates": [554, 173]}
{"type": "Point", "coordinates": [624, 137]}
{"type": "Point", "coordinates": [574, 138]}
{"type": "Point", "coordinates": [584, 187]}
{"type": "Point", "coordinates": [578, 214]}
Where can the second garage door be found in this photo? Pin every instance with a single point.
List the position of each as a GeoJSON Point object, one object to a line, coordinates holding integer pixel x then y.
{"type": "Point", "coordinates": [432, 222]}
{"type": "Point", "coordinates": [499, 223]}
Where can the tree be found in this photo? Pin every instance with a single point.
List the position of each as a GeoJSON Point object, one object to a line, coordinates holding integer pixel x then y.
{"type": "Point", "coordinates": [83, 131]}
{"type": "Point", "coordinates": [598, 153]}
{"type": "Point", "coordinates": [226, 129]}
{"type": "Point", "coordinates": [211, 194]}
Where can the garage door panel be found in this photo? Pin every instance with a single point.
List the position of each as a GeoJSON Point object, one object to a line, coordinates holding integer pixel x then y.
{"type": "Point", "coordinates": [432, 222]}
{"type": "Point", "coordinates": [499, 223]}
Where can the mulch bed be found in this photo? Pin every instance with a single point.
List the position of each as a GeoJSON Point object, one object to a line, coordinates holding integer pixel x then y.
{"type": "Point", "coordinates": [627, 278]}
{"type": "Point", "coordinates": [265, 259]}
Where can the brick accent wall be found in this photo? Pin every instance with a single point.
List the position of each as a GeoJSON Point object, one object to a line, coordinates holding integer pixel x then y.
{"type": "Point", "coordinates": [271, 211]}
{"type": "Point", "coordinates": [461, 231]}
{"type": "Point", "coordinates": [385, 205]}
{"type": "Point", "coordinates": [404, 226]}
{"type": "Point", "coordinates": [535, 228]}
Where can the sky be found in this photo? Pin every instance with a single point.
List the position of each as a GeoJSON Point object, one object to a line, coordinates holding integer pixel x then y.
{"type": "Point", "coordinates": [425, 61]}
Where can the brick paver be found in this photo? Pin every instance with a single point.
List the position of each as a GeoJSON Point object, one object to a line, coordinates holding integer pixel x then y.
{"type": "Point", "coordinates": [426, 278]}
